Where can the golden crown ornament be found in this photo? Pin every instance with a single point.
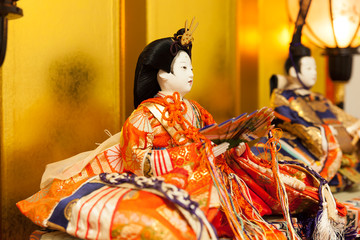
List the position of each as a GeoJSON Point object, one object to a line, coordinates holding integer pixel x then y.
{"type": "Point", "coordinates": [187, 38]}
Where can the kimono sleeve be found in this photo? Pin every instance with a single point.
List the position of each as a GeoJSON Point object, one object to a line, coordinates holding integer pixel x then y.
{"type": "Point", "coordinates": [136, 140]}
{"type": "Point", "coordinates": [292, 114]}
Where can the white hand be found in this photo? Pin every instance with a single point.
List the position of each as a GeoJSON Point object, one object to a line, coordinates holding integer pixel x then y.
{"type": "Point", "coordinates": [220, 149]}
{"type": "Point", "coordinates": [240, 149]}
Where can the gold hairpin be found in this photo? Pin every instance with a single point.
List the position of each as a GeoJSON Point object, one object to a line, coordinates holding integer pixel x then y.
{"type": "Point", "coordinates": [187, 36]}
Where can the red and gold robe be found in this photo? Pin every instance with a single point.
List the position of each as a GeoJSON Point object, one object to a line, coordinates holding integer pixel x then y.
{"type": "Point", "coordinates": [161, 139]}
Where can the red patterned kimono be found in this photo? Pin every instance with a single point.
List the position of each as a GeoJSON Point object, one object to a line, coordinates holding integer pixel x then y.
{"type": "Point", "coordinates": [161, 139]}
{"type": "Point", "coordinates": [156, 146]}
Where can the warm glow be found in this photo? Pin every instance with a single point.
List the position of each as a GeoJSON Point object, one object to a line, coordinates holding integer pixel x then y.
{"type": "Point", "coordinates": [60, 91]}
{"type": "Point", "coordinates": [213, 55]}
{"type": "Point", "coordinates": [251, 39]}
{"type": "Point", "coordinates": [284, 36]}
{"type": "Point", "coordinates": [356, 41]}
{"type": "Point", "coordinates": [343, 31]}
{"type": "Point", "coordinates": [330, 23]}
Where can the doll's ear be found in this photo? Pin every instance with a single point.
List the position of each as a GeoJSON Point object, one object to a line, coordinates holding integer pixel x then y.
{"type": "Point", "coordinates": [292, 72]}
{"type": "Point", "coordinates": [163, 76]}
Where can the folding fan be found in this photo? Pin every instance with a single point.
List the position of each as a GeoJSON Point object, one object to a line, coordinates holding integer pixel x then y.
{"type": "Point", "coordinates": [244, 128]}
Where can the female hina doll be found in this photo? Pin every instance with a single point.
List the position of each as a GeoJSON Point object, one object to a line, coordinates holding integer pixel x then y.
{"type": "Point", "coordinates": [316, 132]}
{"type": "Point", "coordinates": [161, 178]}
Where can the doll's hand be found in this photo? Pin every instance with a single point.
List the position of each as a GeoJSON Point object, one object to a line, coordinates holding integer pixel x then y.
{"type": "Point", "coordinates": [240, 149]}
{"type": "Point", "coordinates": [220, 149]}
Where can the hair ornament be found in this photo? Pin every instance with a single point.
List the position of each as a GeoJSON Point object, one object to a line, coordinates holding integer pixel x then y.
{"type": "Point", "coordinates": [187, 38]}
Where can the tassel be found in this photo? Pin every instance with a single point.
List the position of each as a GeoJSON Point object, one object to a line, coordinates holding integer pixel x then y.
{"type": "Point", "coordinates": [235, 222]}
{"type": "Point", "coordinates": [329, 225]}
{"type": "Point", "coordinates": [243, 227]}
{"type": "Point", "coordinates": [280, 187]}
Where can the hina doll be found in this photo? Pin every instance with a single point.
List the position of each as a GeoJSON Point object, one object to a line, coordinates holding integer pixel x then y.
{"type": "Point", "coordinates": [161, 178]}
{"type": "Point", "coordinates": [316, 132]}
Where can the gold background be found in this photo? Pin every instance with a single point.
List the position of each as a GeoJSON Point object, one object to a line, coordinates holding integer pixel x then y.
{"type": "Point", "coordinates": [68, 75]}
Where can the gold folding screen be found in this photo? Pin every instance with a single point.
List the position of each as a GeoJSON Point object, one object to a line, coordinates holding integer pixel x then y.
{"type": "Point", "coordinates": [68, 75]}
{"type": "Point", "coordinates": [213, 54]}
{"type": "Point", "coordinates": [238, 45]}
{"type": "Point", "coordinates": [60, 91]}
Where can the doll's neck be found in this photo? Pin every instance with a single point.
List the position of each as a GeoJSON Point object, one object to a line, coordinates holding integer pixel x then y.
{"type": "Point", "coordinates": [168, 93]}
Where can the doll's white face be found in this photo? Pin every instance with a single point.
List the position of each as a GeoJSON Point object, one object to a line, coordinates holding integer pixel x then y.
{"type": "Point", "coordinates": [180, 79]}
{"type": "Point", "coordinates": [308, 72]}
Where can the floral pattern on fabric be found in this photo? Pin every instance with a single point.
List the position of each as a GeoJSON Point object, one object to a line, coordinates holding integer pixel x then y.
{"type": "Point", "coordinates": [145, 140]}
{"type": "Point", "coordinates": [154, 220]}
{"type": "Point", "coordinates": [39, 206]}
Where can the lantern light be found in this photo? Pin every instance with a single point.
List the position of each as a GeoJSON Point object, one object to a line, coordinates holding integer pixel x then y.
{"type": "Point", "coordinates": [335, 26]}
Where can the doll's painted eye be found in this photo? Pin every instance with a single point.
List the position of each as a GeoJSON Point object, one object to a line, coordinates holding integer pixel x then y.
{"type": "Point", "coordinates": [184, 67]}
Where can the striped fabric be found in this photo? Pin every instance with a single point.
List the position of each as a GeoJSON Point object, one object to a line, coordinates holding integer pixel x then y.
{"type": "Point", "coordinates": [91, 216]}
{"type": "Point", "coordinates": [160, 162]}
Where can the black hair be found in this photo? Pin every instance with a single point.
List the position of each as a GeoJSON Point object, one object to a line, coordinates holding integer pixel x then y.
{"type": "Point", "coordinates": [157, 55]}
{"type": "Point", "coordinates": [296, 52]}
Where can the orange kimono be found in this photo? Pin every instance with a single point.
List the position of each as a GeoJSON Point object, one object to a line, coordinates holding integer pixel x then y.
{"type": "Point", "coordinates": [161, 141]}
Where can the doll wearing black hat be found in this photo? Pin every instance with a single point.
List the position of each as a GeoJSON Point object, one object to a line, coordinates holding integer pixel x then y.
{"type": "Point", "coordinates": [316, 131]}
